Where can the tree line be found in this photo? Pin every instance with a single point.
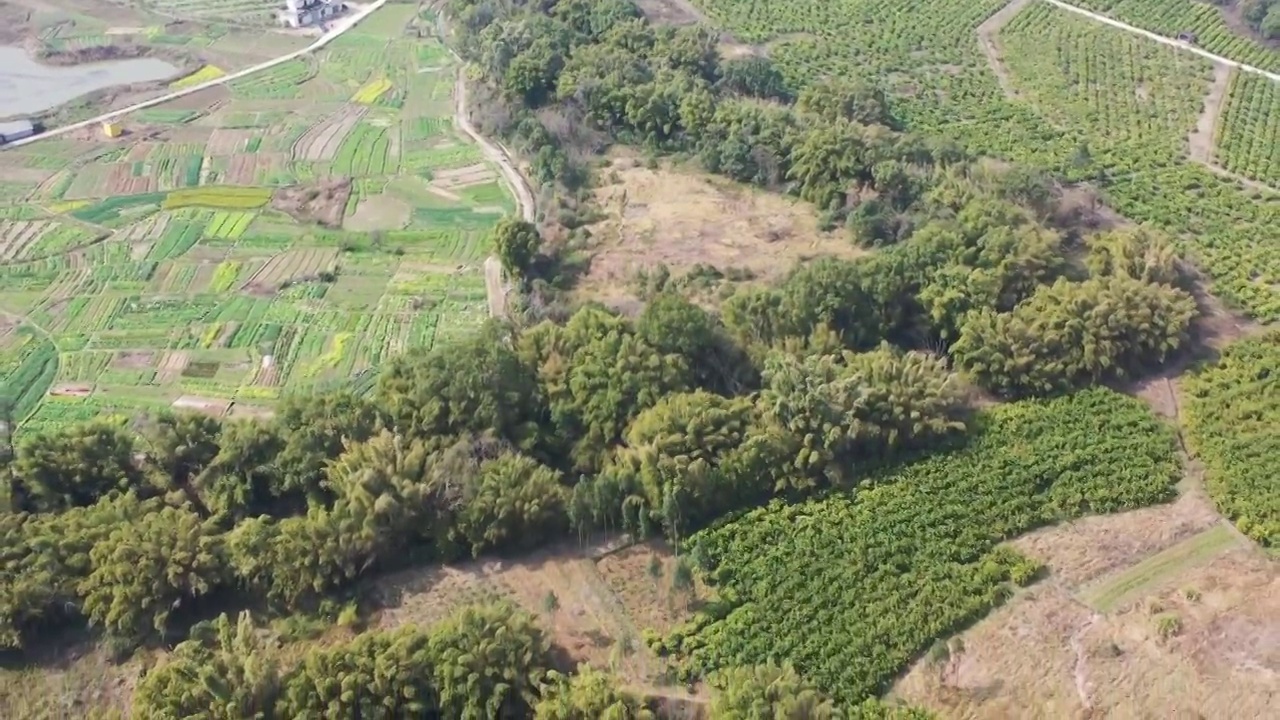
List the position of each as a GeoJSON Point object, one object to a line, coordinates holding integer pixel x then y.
{"type": "Point", "coordinates": [521, 435]}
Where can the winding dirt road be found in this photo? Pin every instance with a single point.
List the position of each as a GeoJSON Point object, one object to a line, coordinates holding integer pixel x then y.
{"type": "Point", "coordinates": [498, 154]}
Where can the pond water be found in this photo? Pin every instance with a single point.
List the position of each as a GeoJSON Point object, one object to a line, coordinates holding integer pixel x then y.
{"type": "Point", "coordinates": [28, 87]}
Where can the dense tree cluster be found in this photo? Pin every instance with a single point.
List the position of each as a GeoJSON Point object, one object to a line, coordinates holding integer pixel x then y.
{"type": "Point", "coordinates": [486, 661]}
{"type": "Point", "coordinates": [596, 66]}
{"type": "Point", "coordinates": [520, 435]}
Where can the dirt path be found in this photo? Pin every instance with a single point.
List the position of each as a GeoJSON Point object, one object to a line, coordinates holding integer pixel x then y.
{"type": "Point", "coordinates": [493, 287]}
{"type": "Point", "coordinates": [987, 38]}
{"type": "Point", "coordinates": [497, 154]}
{"type": "Point", "coordinates": [1200, 141]}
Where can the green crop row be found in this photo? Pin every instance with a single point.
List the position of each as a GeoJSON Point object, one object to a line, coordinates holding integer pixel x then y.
{"type": "Point", "coordinates": [1203, 19]}
{"type": "Point", "coordinates": [919, 552]}
{"type": "Point", "coordinates": [1233, 410]}
{"type": "Point", "coordinates": [178, 238]}
{"type": "Point", "coordinates": [1249, 132]}
{"type": "Point", "coordinates": [28, 375]}
{"type": "Point", "coordinates": [225, 196]}
{"type": "Point", "coordinates": [107, 211]}
{"type": "Point", "coordinates": [364, 153]}
{"type": "Point", "coordinates": [280, 82]}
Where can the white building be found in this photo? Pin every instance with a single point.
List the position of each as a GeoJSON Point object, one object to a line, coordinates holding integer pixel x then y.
{"type": "Point", "coordinates": [16, 130]}
{"type": "Point", "coordinates": [301, 13]}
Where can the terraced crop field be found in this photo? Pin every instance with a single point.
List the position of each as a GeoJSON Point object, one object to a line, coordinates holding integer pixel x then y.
{"type": "Point", "coordinates": [218, 262]}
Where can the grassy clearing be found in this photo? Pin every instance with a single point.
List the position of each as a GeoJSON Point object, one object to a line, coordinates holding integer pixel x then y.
{"type": "Point", "coordinates": [1123, 588]}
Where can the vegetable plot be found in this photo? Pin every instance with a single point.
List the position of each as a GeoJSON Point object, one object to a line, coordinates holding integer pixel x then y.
{"type": "Point", "coordinates": [369, 94]}
{"type": "Point", "coordinates": [851, 588]}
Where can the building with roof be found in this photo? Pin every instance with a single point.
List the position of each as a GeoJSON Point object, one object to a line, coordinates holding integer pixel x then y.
{"type": "Point", "coordinates": [16, 130]}
{"type": "Point", "coordinates": [302, 13]}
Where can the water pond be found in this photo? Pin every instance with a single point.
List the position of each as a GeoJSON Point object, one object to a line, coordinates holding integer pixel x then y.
{"type": "Point", "coordinates": [28, 87]}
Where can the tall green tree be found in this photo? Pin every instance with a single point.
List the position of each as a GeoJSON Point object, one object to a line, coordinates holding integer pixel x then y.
{"type": "Point", "coordinates": [475, 385]}
{"type": "Point", "coordinates": [385, 675]}
{"type": "Point", "coordinates": [488, 662]}
{"type": "Point", "coordinates": [768, 692]}
{"type": "Point", "coordinates": [229, 675]}
{"type": "Point", "coordinates": [144, 571]}
{"type": "Point", "coordinates": [588, 694]}
{"type": "Point", "coordinates": [1071, 333]}
{"type": "Point", "coordinates": [513, 502]}
{"type": "Point", "coordinates": [77, 465]}
{"type": "Point", "coordinates": [517, 242]}
{"type": "Point", "coordinates": [859, 408]}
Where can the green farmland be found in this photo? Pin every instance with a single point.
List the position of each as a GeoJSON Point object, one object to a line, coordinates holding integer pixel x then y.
{"type": "Point", "coordinates": [286, 237]}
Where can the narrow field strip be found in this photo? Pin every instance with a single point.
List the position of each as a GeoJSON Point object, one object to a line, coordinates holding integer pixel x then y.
{"type": "Point", "coordinates": [1124, 587]}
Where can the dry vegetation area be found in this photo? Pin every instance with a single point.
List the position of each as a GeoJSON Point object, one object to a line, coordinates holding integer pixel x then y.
{"type": "Point", "coordinates": [594, 601]}
{"type": "Point", "coordinates": [1200, 639]}
{"type": "Point", "coordinates": [680, 217]}
{"type": "Point", "coordinates": [324, 202]}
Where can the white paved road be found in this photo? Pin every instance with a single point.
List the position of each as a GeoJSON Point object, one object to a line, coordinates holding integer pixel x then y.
{"type": "Point", "coordinates": [340, 26]}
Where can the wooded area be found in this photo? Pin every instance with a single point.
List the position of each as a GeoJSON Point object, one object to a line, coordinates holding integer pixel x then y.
{"type": "Point", "coordinates": [569, 422]}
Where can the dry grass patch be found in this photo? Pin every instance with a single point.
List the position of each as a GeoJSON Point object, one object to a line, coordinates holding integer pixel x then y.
{"type": "Point", "coordinates": [641, 578]}
{"type": "Point", "coordinates": [1194, 640]}
{"type": "Point", "coordinates": [380, 212]}
{"type": "Point", "coordinates": [61, 682]}
{"type": "Point", "coordinates": [1081, 551]}
{"type": "Point", "coordinates": [680, 217]}
{"type": "Point", "coordinates": [596, 610]}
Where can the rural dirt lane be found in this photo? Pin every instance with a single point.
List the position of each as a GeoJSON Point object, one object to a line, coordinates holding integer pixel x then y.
{"type": "Point", "coordinates": [500, 156]}
{"type": "Point", "coordinates": [340, 27]}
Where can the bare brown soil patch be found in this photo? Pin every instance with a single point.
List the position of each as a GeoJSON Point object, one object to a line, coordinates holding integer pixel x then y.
{"type": "Point", "coordinates": [133, 359]}
{"type": "Point", "coordinates": [1205, 645]}
{"type": "Point", "coordinates": [1233, 14]}
{"type": "Point", "coordinates": [681, 217]}
{"type": "Point", "coordinates": [71, 390]}
{"type": "Point", "coordinates": [456, 178]}
{"type": "Point", "coordinates": [216, 407]}
{"type": "Point", "coordinates": [988, 39]}
{"type": "Point", "coordinates": [1200, 143]}
{"type": "Point", "coordinates": [250, 412]}
{"type": "Point", "coordinates": [640, 576]}
{"type": "Point", "coordinates": [379, 212]}
{"type": "Point", "coordinates": [228, 141]}
{"type": "Point", "coordinates": [324, 202]}
{"type": "Point", "coordinates": [671, 12]}
{"type": "Point", "coordinates": [594, 610]}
